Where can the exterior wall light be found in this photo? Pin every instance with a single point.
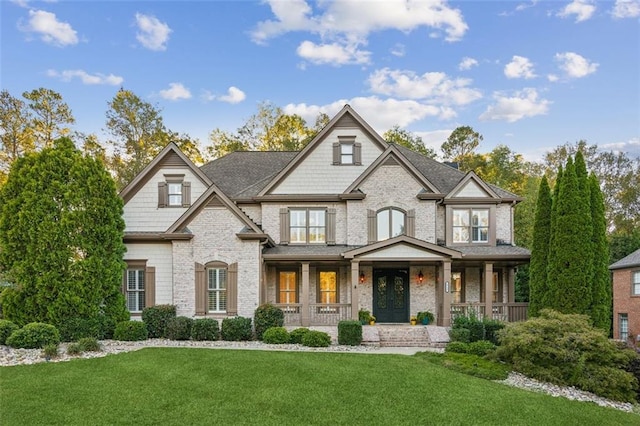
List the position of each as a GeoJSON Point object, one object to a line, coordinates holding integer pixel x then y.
{"type": "Point", "coordinates": [420, 276]}
{"type": "Point", "coordinates": [361, 277]}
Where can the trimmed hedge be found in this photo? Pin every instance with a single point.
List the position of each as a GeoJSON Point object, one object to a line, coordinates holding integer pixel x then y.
{"type": "Point", "coordinates": [316, 339]}
{"type": "Point", "coordinates": [349, 333]}
{"type": "Point", "coordinates": [6, 329]}
{"type": "Point", "coordinates": [205, 329]}
{"type": "Point", "coordinates": [296, 335]}
{"type": "Point", "coordinates": [100, 327]}
{"type": "Point", "coordinates": [276, 336]}
{"type": "Point", "coordinates": [236, 329]}
{"type": "Point", "coordinates": [267, 316]}
{"type": "Point", "coordinates": [179, 328]}
{"type": "Point", "coordinates": [131, 331]}
{"type": "Point", "coordinates": [479, 348]}
{"type": "Point", "coordinates": [156, 319]}
{"type": "Point", "coordinates": [34, 335]}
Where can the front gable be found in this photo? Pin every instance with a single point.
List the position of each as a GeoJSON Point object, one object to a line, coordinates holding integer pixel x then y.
{"type": "Point", "coordinates": [402, 248]}
{"type": "Point", "coordinates": [472, 187]}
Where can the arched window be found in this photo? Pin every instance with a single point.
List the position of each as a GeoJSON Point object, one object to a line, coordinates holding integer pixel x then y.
{"type": "Point", "coordinates": [391, 222]}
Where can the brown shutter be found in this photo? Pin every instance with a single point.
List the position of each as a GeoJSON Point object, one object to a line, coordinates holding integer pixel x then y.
{"type": "Point", "coordinates": [331, 227]}
{"type": "Point", "coordinates": [232, 290]}
{"type": "Point", "coordinates": [149, 286]}
{"type": "Point", "coordinates": [186, 194]}
{"type": "Point", "coordinates": [357, 154]}
{"type": "Point", "coordinates": [411, 223]}
{"type": "Point", "coordinates": [201, 289]}
{"type": "Point", "coordinates": [372, 231]}
{"type": "Point", "coordinates": [284, 225]}
{"type": "Point", "coordinates": [336, 153]}
{"type": "Point", "coordinates": [162, 194]}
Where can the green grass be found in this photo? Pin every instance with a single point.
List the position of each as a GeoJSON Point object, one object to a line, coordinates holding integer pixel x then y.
{"type": "Point", "coordinates": [470, 364]}
{"type": "Point", "coordinates": [181, 386]}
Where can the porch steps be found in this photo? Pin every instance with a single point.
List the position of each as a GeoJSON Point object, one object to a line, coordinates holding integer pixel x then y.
{"type": "Point", "coordinates": [395, 335]}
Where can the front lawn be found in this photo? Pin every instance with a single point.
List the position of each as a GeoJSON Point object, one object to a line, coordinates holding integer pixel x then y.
{"type": "Point", "coordinates": [190, 386]}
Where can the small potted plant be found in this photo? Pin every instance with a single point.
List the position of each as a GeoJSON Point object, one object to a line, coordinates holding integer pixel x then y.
{"type": "Point", "coordinates": [363, 316]}
{"type": "Point", "coordinates": [425, 317]}
{"type": "Point", "coordinates": [413, 320]}
{"type": "Point", "coordinates": [372, 320]}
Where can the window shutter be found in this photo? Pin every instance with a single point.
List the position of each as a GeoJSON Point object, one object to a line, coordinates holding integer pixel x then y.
{"type": "Point", "coordinates": [336, 153]}
{"type": "Point", "coordinates": [201, 289]}
{"type": "Point", "coordinates": [357, 154]}
{"type": "Point", "coordinates": [284, 225]}
{"type": "Point", "coordinates": [162, 194]}
{"type": "Point", "coordinates": [232, 290]}
{"type": "Point", "coordinates": [372, 231]}
{"type": "Point", "coordinates": [331, 227]}
{"type": "Point", "coordinates": [186, 194]}
{"type": "Point", "coordinates": [411, 223]}
{"type": "Point", "coordinates": [149, 286]}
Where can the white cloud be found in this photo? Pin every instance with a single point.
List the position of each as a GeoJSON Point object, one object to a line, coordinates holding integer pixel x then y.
{"type": "Point", "coordinates": [152, 33]}
{"type": "Point", "coordinates": [582, 9]}
{"type": "Point", "coordinates": [332, 53]}
{"type": "Point", "coordinates": [86, 78]}
{"type": "Point", "coordinates": [398, 50]}
{"type": "Point", "coordinates": [435, 138]}
{"type": "Point", "coordinates": [552, 78]}
{"type": "Point", "coordinates": [50, 29]}
{"type": "Point", "coordinates": [175, 92]}
{"type": "Point", "coordinates": [467, 63]}
{"type": "Point", "coordinates": [519, 67]}
{"type": "Point", "coordinates": [574, 65]}
{"type": "Point", "coordinates": [626, 9]}
{"type": "Point", "coordinates": [524, 103]}
{"type": "Point", "coordinates": [631, 147]}
{"type": "Point", "coordinates": [233, 96]}
{"type": "Point", "coordinates": [433, 86]}
{"type": "Point", "coordinates": [207, 96]}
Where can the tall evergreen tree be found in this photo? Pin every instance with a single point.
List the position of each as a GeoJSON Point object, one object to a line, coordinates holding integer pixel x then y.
{"type": "Point", "coordinates": [61, 231]}
{"type": "Point", "coordinates": [601, 294]}
{"type": "Point", "coordinates": [568, 271]}
{"type": "Point", "coordinates": [584, 187]}
{"type": "Point", "coordinates": [538, 288]}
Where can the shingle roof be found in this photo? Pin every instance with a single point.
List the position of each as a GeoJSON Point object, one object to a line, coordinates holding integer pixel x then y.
{"type": "Point", "coordinates": [493, 251]}
{"type": "Point", "coordinates": [631, 261]}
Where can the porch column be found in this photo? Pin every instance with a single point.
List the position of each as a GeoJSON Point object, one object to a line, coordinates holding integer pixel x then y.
{"type": "Point", "coordinates": [263, 284]}
{"type": "Point", "coordinates": [444, 293]}
{"type": "Point", "coordinates": [355, 292]}
{"type": "Point", "coordinates": [488, 290]}
{"type": "Point", "coordinates": [511, 285]}
{"type": "Point", "coordinates": [305, 314]}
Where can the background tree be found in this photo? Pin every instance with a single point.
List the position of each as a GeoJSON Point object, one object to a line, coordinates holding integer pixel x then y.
{"type": "Point", "coordinates": [16, 135]}
{"type": "Point", "coordinates": [61, 231]}
{"type": "Point", "coordinates": [538, 288]}
{"type": "Point", "coordinates": [601, 299]}
{"type": "Point", "coordinates": [460, 145]}
{"type": "Point", "coordinates": [50, 116]}
{"type": "Point", "coordinates": [408, 140]}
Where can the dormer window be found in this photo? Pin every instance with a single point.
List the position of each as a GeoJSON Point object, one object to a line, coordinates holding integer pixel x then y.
{"type": "Point", "coordinates": [347, 151]}
{"type": "Point", "coordinates": [174, 192]}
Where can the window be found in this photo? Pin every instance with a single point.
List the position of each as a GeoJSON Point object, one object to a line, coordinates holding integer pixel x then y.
{"type": "Point", "coordinates": [635, 284]}
{"type": "Point", "coordinates": [135, 290]}
{"type": "Point", "coordinates": [457, 288]}
{"type": "Point", "coordinates": [347, 151]}
{"type": "Point", "coordinates": [470, 225]}
{"type": "Point", "coordinates": [328, 287]}
{"type": "Point", "coordinates": [307, 226]}
{"type": "Point", "coordinates": [217, 279]}
{"type": "Point", "coordinates": [390, 223]}
{"type": "Point", "coordinates": [287, 287]}
{"type": "Point", "coordinates": [174, 192]}
{"type": "Point", "coordinates": [623, 320]}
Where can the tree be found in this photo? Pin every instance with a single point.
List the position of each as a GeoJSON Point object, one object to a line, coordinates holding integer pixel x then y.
{"type": "Point", "coordinates": [622, 244]}
{"type": "Point", "coordinates": [408, 140]}
{"type": "Point", "coordinates": [61, 231]}
{"type": "Point", "coordinates": [601, 286]}
{"type": "Point", "coordinates": [16, 135]}
{"type": "Point", "coordinates": [50, 116]}
{"type": "Point", "coordinates": [460, 144]}
{"type": "Point", "coordinates": [538, 288]}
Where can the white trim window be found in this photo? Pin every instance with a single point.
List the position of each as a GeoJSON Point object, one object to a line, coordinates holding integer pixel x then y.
{"type": "Point", "coordinates": [217, 289]}
{"type": "Point", "coordinates": [174, 194]}
{"type": "Point", "coordinates": [623, 321]}
{"type": "Point", "coordinates": [470, 225]}
{"type": "Point", "coordinates": [346, 153]}
{"type": "Point", "coordinates": [635, 283]}
{"type": "Point", "coordinates": [308, 226]}
{"type": "Point", "coordinates": [391, 222]}
{"type": "Point", "coordinates": [135, 290]}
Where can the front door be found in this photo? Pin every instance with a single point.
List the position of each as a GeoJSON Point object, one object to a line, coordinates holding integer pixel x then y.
{"type": "Point", "coordinates": [391, 295]}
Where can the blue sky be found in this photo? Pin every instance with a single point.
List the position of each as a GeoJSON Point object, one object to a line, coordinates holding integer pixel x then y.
{"type": "Point", "coordinates": [531, 75]}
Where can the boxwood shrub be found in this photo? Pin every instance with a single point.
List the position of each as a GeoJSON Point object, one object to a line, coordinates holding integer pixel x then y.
{"type": "Point", "coordinates": [156, 318]}
{"type": "Point", "coordinates": [179, 328]}
{"type": "Point", "coordinates": [276, 336]}
{"type": "Point", "coordinates": [6, 329]}
{"type": "Point", "coordinates": [100, 327]}
{"type": "Point", "coordinates": [296, 335]}
{"type": "Point", "coordinates": [131, 331]}
{"type": "Point", "coordinates": [316, 339]}
{"type": "Point", "coordinates": [236, 329]}
{"type": "Point", "coordinates": [34, 335]}
{"type": "Point", "coordinates": [349, 333]}
{"type": "Point", "coordinates": [205, 329]}
{"type": "Point", "coordinates": [265, 317]}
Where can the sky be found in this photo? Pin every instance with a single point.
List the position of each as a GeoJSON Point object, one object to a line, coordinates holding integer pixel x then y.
{"type": "Point", "coordinates": [531, 75]}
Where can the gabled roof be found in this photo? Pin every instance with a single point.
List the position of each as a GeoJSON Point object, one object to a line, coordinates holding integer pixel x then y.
{"type": "Point", "coordinates": [471, 176]}
{"type": "Point", "coordinates": [393, 153]}
{"type": "Point", "coordinates": [630, 261]}
{"type": "Point", "coordinates": [403, 239]}
{"type": "Point", "coordinates": [346, 113]}
{"type": "Point", "coordinates": [170, 154]}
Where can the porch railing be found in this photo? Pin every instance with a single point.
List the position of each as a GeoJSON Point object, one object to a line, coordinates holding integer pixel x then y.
{"type": "Point", "coordinates": [291, 312]}
{"type": "Point", "coordinates": [319, 313]}
{"type": "Point", "coordinates": [509, 312]}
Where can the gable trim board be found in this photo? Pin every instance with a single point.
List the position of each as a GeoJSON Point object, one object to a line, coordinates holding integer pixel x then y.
{"type": "Point", "coordinates": [471, 177]}
{"type": "Point", "coordinates": [405, 240]}
{"type": "Point", "coordinates": [141, 237]}
{"type": "Point", "coordinates": [320, 198]}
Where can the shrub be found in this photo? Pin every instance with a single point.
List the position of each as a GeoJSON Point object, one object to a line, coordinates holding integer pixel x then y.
{"type": "Point", "coordinates": [457, 347]}
{"type": "Point", "coordinates": [481, 347]}
{"type": "Point", "coordinates": [99, 327]}
{"type": "Point", "coordinates": [276, 336]}
{"type": "Point", "coordinates": [50, 351]}
{"type": "Point", "coordinates": [477, 329]}
{"type": "Point", "coordinates": [491, 329]}
{"type": "Point", "coordinates": [566, 350]}
{"type": "Point", "coordinates": [349, 333]}
{"type": "Point", "coordinates": [237, 328]}
{"type": "Point", "coordinates": [364, 316]}
{"type": "Point", "coordinates": [296, 335]}
{"type": "Point", "coordinates": [472, 365]}
{"type": "Point", "coordinates": [179, 328]}
{"type": "Point", "coordinates": [89, 344]}
{"type": "Point", "coordinates": [74, 349]}
{"type": "Point", "coordinates": [131, 331]}
{"type": "Point", "coordinates": [634, 368]}
{"type": "Point", "coordinates": [6, 329]}
{"type": "Point", "coordinates": [265, 317]}
{"type": "Point", "coordinates": [156, 319]}
{"type": "Point", "coordinates": [34, 335]}
{"type": "Point", "coordinates": [205, 329]}
{"type": "Point", "coordinates": [460, 335]}
{"type": "Point", "coordinates": [428, 315]}
{"type": "Point", "coordinates": [316, 339]}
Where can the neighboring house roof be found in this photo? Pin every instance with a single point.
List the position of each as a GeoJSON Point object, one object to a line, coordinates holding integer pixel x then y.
{"type": "Point", "coordinates": [631, 261]}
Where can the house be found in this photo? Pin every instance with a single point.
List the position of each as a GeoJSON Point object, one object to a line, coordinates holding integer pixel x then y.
{"type": "Point", "coordinates": [350, 222]}
{"type": "Point", "coordinates": [626, 297]}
